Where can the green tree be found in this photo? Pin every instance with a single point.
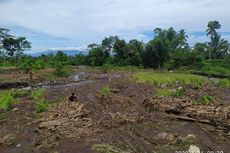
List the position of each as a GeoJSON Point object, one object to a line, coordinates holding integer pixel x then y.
{"type": "Point", "coordinates": [28, 66]}
{"type": "Point", "coordinates": [219, 47]}
{"type": "Point", "coordinates": [134, 52]}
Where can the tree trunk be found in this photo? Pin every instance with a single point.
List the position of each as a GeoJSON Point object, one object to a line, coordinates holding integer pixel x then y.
{"type": "Point", "coordinates": [31, 75]}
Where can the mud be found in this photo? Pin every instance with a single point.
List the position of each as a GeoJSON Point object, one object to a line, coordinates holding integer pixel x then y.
{"type": "Point", "coordinates": [4, 86]}
{"type": "Point", "coordinates": [129, 119]}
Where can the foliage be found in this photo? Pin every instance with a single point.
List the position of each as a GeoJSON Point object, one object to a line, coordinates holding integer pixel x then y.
{"type": "Point", "coordinates": [105, 91]}
{"type": "Point", "coordinates": [170, 92]}
{"type": "Point", "coordinates": [61, 69]}
{"type": "Point", "coordinates": [225, 83]}
{"type": "Point", "coordinates": [38, 94]}
{"type": "Point", "coordinates": [206, 99]}
{"type": "Point", "coordinates": [28, 66]}
{"type": "Point", "coordinates": [216, 68]}
{"type": "Point", "coordinates": [7, 101]}
{"type": "Point", "coordinates": [170, 79]}
{"type": "Point", "coordinates": [219, 47]}
{"type": "Point", "coordinates": [42, 106]}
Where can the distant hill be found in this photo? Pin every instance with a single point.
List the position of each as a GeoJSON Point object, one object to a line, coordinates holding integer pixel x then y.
{"type": "Point", "coordinates": [67, 52]}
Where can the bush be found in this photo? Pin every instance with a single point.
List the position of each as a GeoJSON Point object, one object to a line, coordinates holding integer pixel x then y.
{"type": "Point", "coordinates": [38, 94]}
{"type": "Point", "coordinates": [61, 69]}
{"type": "Point", "coordinates": [42, 106]}
{"type": "Point", "coordinates": [105, 91]}
{"type": "Point", "coordinates": [225, 83]}
{"type": "Point", "coordinates": [7, 101]}
{"type": "Point", "coordinates": [206, 99]}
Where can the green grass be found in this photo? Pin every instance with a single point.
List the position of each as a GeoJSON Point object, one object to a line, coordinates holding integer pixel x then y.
{"type": "Point", "coordinates": [170, 79]}
{"type": "Point", "coordinates": [104, 148]}
{"type": "Point", "coordinates": [9, 97]}
{"type": "Point", "coordinates": [42, 106]}
{"type": "Point", "coordinates": [105, 91]}
{"type": "Point", "coordinates": [206, 99]}
{"type": "Point", "coordinates": [216, 68]}
{"type": "Point", "coordinates": [7, 101]}
{"type": "Point", "coordinates": [38, 94]}
{"type": "Point", "coordinates": [224, 83]}
{"type": "Point", "coordinates": [170, 92]}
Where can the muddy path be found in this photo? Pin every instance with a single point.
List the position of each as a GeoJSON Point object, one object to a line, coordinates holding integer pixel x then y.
{"type": "Point", "coordinates": [130, 119]}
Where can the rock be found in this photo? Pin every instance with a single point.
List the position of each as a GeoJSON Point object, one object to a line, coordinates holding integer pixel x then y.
{"type": "Point", "coordinates": [164, 85]}
{"type": "Point", "coordinates": [27, 88]}
{"type": "Point", "coordinates": [175, 111]}
{"type": "Point", "coordinates": [15, 109]}
{"type": "Point", "coordinates": [194, 149]}
{"type": "Point", "coordinates": [165, 136]}
{"type": "Point", "coordinates": [191, 136]}
{"type": "Point", "coordinates": [18, 145]}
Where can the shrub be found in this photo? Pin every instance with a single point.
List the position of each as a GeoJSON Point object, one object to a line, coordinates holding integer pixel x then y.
{"type": "Point", "coordinates": [206, 99]}
{"type": "Point", "coordinates": [20, 93]}
{"type": "Point", "coordinates": [42, 106]}
{"type": "Point", "coordinates": [38, 94]}
{"type": "Point", "coordinates": [61, 69]}
{"type": "Point", "coordinates": [105, 91]}
{"type": "Point", "coordinates": [7, 101]}
{"type": "Point", "coordinates": [225, 83]}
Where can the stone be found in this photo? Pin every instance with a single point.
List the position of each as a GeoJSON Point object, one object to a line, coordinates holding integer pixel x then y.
{"type": "Point", "coordinates": [194, 149]}
{"type": "Point", "coordinates": [15, 109]}
{"type": "Point", "coordinates": [18, 145]}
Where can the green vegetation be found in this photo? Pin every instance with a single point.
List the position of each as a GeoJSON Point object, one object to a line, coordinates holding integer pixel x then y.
{"type": "Point", "coordinates": [215, 68]}
{"type": "Point", "coordinates": [7, 101]}
{"type": "Point", "coordinates": [168, 49]}
{"type": "Point", "coordinates": [105, 91]}
{"type": "Point", "coordinates": [170, 92]}
{"type": "Point", "coordinates": [38, 94]}
{"type": "Point", "coordinates": [9, 97]}
{"type": "Point", "coordinates": [225, 83]}
{"type": "Point", "coordinates": [170, 79]}
{"type": "Point", "coordinates": [104, 148]}
{"type": "Point", "coordinates": [206, 99]}
{"type": "Point", "coordinates": [42, 106]}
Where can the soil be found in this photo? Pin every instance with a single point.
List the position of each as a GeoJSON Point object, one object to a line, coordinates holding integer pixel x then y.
{"type": "Point", "coordinates": [129, 119]}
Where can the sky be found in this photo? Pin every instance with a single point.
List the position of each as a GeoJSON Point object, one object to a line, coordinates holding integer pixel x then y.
{"type": "Point", "coordinates": [73, 24]}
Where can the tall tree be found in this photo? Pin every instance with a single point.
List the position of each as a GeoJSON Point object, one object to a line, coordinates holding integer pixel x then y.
{"type": "Point", "coordinates": [3, 36]}
{"type": "Point", "coordinates": [219, 47]}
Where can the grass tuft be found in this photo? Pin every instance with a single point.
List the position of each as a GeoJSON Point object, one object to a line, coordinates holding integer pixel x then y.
{"type": "Point", "coordinates": [7, 101]}
{"type": "Point", "coordinates": [170, 79]}
{"type": "Point", "coordinates": [105, 91]}
{"type": "Point", "coordinates": [42, 106]}
{"type": "Point", "coordinates": [170, 92]}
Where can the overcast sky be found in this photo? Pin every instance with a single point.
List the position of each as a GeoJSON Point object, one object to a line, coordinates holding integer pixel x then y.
{"type": "Point", "coordinates": [77, 23]}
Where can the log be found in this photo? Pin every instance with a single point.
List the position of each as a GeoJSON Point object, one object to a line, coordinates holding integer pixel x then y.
{"type": "Point", "coordinates": [191, 119]}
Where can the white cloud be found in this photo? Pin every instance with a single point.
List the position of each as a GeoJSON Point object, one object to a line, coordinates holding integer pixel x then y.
{"type": "Point", "coordinates": [87, 21]}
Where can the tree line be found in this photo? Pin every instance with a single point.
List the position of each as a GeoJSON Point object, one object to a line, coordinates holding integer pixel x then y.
{"type": "Point", "coordinates": [168, 49]}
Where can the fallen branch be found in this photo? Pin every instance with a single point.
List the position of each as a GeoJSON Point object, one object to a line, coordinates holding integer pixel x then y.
{"type": "Point", "coordinates": [191, 119]}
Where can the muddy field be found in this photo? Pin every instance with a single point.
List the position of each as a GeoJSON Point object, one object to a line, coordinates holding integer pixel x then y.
{"type": "Point", "coordinates": [130, 119]}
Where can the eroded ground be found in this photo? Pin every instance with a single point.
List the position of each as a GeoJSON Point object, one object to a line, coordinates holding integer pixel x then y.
{"type": "Point", "coordinates": [128, 120]}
